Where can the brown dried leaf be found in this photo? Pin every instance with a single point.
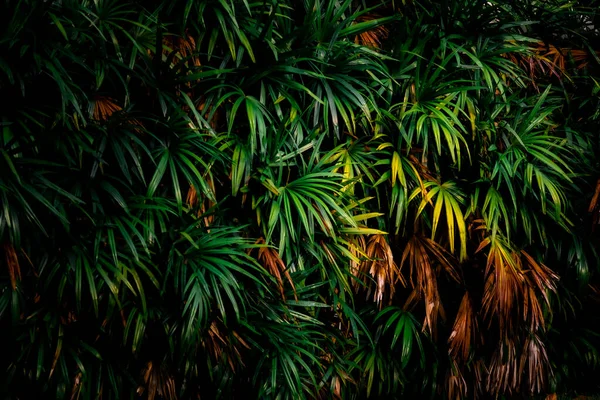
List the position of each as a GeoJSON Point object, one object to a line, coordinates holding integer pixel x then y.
{"type": "Point", "coordinates": [192, 197]}
{"type": "Point", "coordinates": [184, 48]}
{"type": "Point", "coordinates": [535, 361]}
{"type": "Point", "coordinates": [515, 284]}
{"type": "Point", "coordinates": [381, 266]}
{"type": "Point", "coordinates": [374, 37]}
{"type": "Point", "coordinates": [504, 284]}
{"type": "Point", "coordinates": [594, 202]}
{"type": "Point", "coordinates": [463, 331]}
{"type": "Point", "coordinates": [423, 255]}
{"type": "Point", "coordinates": [221, 345]}
{"type": "Point", "coordinates": [272, 262]}
{"type": "Point", "coordinates": [104, 107]}
{"type": "Point", "coordinates": [456, 383]}
{"type": "Point", "coordinates": [158, 382]}
{"type": "Point", "coordinates": [503, 369]}
{"type": "Point", "coordinates": [12, 263]}
{"type": "Point", "coordinates": [540, 277]}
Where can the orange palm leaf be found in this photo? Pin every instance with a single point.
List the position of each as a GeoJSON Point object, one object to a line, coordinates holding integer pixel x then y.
{"type": "Point", "coordinates": [374, 37]}
{"type": "Point", "coordinates": [12, 263]}
{"type": "Point", "coordinates": [464, 330]}
{"type": "Point", "coordinates": [423, 255]}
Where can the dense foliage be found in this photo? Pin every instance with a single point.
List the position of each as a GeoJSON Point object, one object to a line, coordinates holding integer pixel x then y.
{"type": "Point", "coordinates": [298, 199]}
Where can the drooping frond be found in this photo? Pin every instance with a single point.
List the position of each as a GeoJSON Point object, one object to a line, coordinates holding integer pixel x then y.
{"type": "Point", "coordinates": [104, 107]}
{"type": "Point", "coordinates": [158, 382]}
{"type": "Point", "coordinates": [379, 265]}
{"type": "Point", "coordinates": [465, 330]}
{"type": "Point", "coordinates": [424, 258]}
{"type": "Point", "coordinates": [374, 37]}
{"type": "Point", "coordinates": [514, 283]}
{"type": "Point", "coordinates": [12, 264]}
{"type": "Point", "coordinates": [272, 262]}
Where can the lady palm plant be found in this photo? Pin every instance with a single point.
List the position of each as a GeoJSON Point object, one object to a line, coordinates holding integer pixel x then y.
{"type": "Point", "coordinates": [289, 199]}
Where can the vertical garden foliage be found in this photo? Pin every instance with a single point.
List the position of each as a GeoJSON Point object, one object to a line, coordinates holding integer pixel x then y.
{"type": "Point", "coordinates": [298, 199]}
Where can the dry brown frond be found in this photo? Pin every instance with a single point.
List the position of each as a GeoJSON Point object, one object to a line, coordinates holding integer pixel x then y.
{"type": "Point", "coordinates": [547, 59]}
{"type": "Point", "coordinates": [374, 37]}
{"type": "Point", "coordinates": [337, 388]}
{"type": "Point", "coordinates": [542, 280]}
{"type": "Point", "coordinates": [532, 310]}
{"type": "Point", "coordinates": [215, 342]}
{"type": "Point", "coordinates": [104, 107]}
{"type": "Point", "coordinates": [192, 197]}
{"type": "Point", "coordinates": [535, 360]}
{"type": "Point", "coordinates": [594, 207]}
{"type": "Point", "coordinates": [504, 284]}
{"type": "Point", "coordinates": [503, 369]}
{"type": "Point", "coordinates": [542, 60]}
{"type": "Point", "coordinates": [12, 263]}
{"type": "Point", "coordinates": [514, 284]}
{"type": "Point", "coordinates": [184, 48]}
{"type": "Point", "coordinates": [272, 262]}
{"type": "Point", "coordinates": [480, 374]}
{"type": "Point", "coordinates": [463, 331]}
{"type": "Point", "coordinates": [551, 57]}
{"type": "Point", "coordinates": [542, 277]}
{"type": "Point", "coordinates": [219, 345]}
{"type": "Point", "coordinates": [594, 202]}
{"type": "Point", "coordinates": [381, 266]}
{"type": "Point", "coordinates": [76, 389]}
{"type": "Point", "coordinates": [455, 382]}
{"type": "Point", "coordinates": [158, 382]}
{"type": "Point", "coordinates": [423, 256]}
